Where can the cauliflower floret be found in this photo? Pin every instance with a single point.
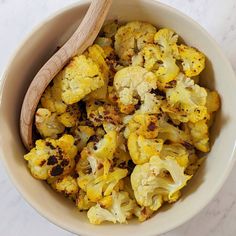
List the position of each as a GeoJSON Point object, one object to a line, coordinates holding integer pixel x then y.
{"type": "Point", "coordinates": [66, 185]}
{"type": "Point", "coordinates": [177, 151]}
{"type": "Point", "coordinates": [81, 135]}
{"type": "Point", "coordinates": [98, 154]}
{"type": "Point", "coordinates": [52, 158]}
{"type": "Point", "coordinates": [167, 39]}
{"type": "Point", "coordinates": [143, 213]}
{"type": "Point", "coordinates": [151, 104]}
{"type": "Point", "coordinates": [193, 61]}
{"type": "Point", "coordinates": [142, 149]}
{"type": "Point", "coordinates": [106, 147]}
{"type": "Point", "coordinates": [194, 163]}
{"type": "Point", "coordinates": [132, 83]}
{"type": "Point", "coordinates": [212, 101]}
{"type": "Point", "coordinates": [48, 124]}
{"type": "Point", "coordinates": [158, 181]}
{"type": "Point", "coordinates": [82, 201]}
{"type": "Point", "coordinates": [122, 208]}
{"type": "Point", "coordinates": [97, 54]}
{"type": "Point", "coordinates": [71, 116]}
{"type": "Point", "coordinates": [98, 185]}
{"type": "Point", "coordinates": [142, 124]}
{"type": "Point", "coordinates": [200, 135]}
{"type": "Point", "coordinates": [99, 113]}
{"type": "Point", "coordinates": [170, 132]}
{"type": "Point", "coordinates": [187, 98]}
{"type": "Point", "coordinates": [133, 37]}
{"type": "Point", "coordinates": [80, 77]}
{"type": "Point", "coordinates": [52, 97]}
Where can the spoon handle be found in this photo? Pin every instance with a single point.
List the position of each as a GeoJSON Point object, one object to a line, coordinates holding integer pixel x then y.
{"type": "Point", "coordinates": [83, 37]}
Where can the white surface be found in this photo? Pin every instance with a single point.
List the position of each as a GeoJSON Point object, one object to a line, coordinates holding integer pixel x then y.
{"type": "Point", "coordinates": [18, 18]}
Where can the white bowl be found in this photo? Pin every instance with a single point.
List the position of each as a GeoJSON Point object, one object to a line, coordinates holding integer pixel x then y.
{"type": "Point", "coordinates": [34, 52]}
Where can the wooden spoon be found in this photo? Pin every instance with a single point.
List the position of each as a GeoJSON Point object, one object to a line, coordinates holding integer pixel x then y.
{"type": "Point", "coordinates": [83, 37]}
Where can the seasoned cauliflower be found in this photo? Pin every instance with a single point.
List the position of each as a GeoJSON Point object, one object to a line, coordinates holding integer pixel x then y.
{"type": "Point", "coordinates": [82, 201]}
{"type": "Point", "coordinates": [66, 185]}
{"type": "Point", "coordinates": [131, 84]}
{"type": "Point", "coordinates": [163, 65]}
{"type": "Point", "coordinates": [212, 101]}
{"type": "Point", "coordinates": [52, 97]}
{"type": "Point", "coordinates": [133, 37]}
{"type": "Point", "coordinates": [97, 54]}
{"type": "Point", "coordinates": [171, 133]}
{"type": "Point", "coordinates": [142, 149]}
{"type": "Point", "coordinates": [122, 124]}
{"type": "Point", "coordinates": [99, 113]}
{"type": "Point", "coordinates": [158, 181]}
{"type": "Point", "coordinates": [97, 185]}
{"type": "Point", "coordinates": [97, 155]}
{"type": "Point", "coordinates": [176, 151]}
{"type": "Point", "coordinates": [122, 208]}
{"type": "Point", "coordinates": [48, 124]}
{"type": "Point", "coordinates": [142, 124]}
{"type": "Point", "coordinates": [151, 104]}
{"type": "Point", "coordinates": [188, 99]}
{"type": "Point", "coordinates": [193, 61]}
{"type": "Point", "coordinates": [82, 134]}
{"type": "Point", "coordinates": [200, 135]}
{"type": "Point", "coordinates": [71, 116]}
{"type": "Point", "coordinates": [52, 158]}
{"type": "Point", "coordinates": [167, 39]}
{"type": "Point", "coordinates": [80, 77]}
{"type": "Point", "coordinates": [143, 213]}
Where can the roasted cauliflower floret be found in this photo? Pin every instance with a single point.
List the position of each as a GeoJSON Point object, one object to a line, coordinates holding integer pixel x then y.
{"type": "Point", "coordinates": [171, 133]}
{"type": "Point", "coordinates": [131, 84]}
{"type": "Point", "coordinates": [82, 135]}
{"type": "Point", "coordinates": [212, 101]}
{"type": "Point", "coordinates": [71, 116]}
{"type": "Point", "coordinates": [52, 158]}
{"type": "Point", "coordinates": [163, 65]}
{"type": "Point", "coordinates": [120, 211]}
{"type": "Point", "coordinates": [97, 155]}
{"type": "Point", "coordinates": [98, 185]}
{"type": "Point", "coordinates": [66, 185]}
{"type": "Point", "coordinates": [142, 124]}
{"type": "Point", "coordinates": [176, 151]}
{"type": "Point", "coordinates": [167, 39]}
{"type": "Point", "coordinates": [158, 181]}
{"type": "Point", "coordinates": [151, 104]}
{"type": "Point", "coordinates": [99, 113]}
{"type": "Point", "coordinates": [142, 149]}
{"type": "Point", "coordinates": [97, 54]}
{"type": "Point", "coordinates": [187, 98]}
{"type": "Point", "coordinates": [48, 124]}
{"type": "Point", "coordinates": [193, 61]}
{"type": "Point", "coordinates": [80, 77]}
{"type": "Point", "coordinates": [143, 213]}
{"type": "Point", "coordinates": [200, 135]}
{"type": "Point", "coordinates": [52, 97]}
{"type": "Point", "coordinates": [82, 201]}
{"type": "Point", "coordinates": [131, 38]}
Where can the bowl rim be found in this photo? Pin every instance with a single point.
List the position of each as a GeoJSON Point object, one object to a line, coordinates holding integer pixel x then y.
{"type": "Point", "coordinates": [46, 214]}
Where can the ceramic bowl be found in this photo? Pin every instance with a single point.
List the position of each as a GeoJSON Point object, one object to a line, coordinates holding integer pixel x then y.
{"type": "Point", "coordinates": [34, 52]}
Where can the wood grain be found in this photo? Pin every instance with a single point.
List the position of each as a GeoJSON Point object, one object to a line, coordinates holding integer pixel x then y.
{"type": "Point", "coordinates": [83, 37]}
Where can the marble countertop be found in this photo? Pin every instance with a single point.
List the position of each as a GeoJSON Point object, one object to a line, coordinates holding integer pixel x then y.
{"type": "Point", "coordinates": [17, 18]}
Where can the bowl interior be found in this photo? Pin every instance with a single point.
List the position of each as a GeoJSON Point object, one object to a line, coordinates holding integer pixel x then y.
{"type": "Point", "coordinates": [34, 52]}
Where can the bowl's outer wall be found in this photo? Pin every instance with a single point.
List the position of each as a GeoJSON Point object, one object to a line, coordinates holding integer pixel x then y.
{"type": "Point", "coordinates": [34, 52]}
